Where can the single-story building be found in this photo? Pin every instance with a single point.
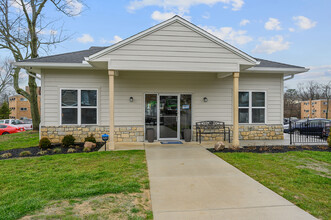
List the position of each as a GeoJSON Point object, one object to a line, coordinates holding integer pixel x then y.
{"type": "Point", "coordinates": [165, 78]}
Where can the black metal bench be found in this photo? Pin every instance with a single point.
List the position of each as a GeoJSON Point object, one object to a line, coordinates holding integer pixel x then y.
{"type": "Point", "coordinates": [211, 127]}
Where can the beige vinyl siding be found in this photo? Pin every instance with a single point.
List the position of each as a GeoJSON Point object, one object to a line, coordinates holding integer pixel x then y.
{"type": "Point", "coordinates": [272, 85]}
{"type": "Point", "coordinates": [136, 84]}
{"type": "Point", "coordinates": [54, 80]}
{"type": "Point", "coordinates": [200, 85]}
{"type": "Point", "coordinates": [174, 47]}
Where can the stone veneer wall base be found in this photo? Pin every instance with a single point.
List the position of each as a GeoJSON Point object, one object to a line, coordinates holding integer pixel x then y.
{"type": "Point", "coordinates": [248, 132]}
{"type": "Point", "coordinates": [136, 133]}
{"type": "Point", "coordinates": [122, 133]}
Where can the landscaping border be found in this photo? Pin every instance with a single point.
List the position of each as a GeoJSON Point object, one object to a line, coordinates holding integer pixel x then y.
{"type": "Point", "coordinates": [273, 149]}
{"type": "Point", "coordinates": [34, 150]}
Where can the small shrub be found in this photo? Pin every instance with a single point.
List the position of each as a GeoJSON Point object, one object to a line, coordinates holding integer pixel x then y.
{"type": "Point", "coordinates": [87, 149]}
{"type": "Point", "coordinates": [57, 150]}
{"type": "Point", "coordinates": [77, 147]}
{"type": "Point", "coordinates": [68, 140]}
{"type": "Point", "coordinates": [135, 210]}
{"type": "Point", "coordinates": [329, 139]}
{"type": "Point", "coordinates": [42, 152]}
{"type": "Point", "coordinates": [25, 153]}
{"type": "Point", "coordinates": [45, 143]}
{"type": "Point", "coordinates": [90, 139]}
{"type": "Point", "coordinates": [71, 150]}
{"type": "Point", "coordinates": [6, 155]}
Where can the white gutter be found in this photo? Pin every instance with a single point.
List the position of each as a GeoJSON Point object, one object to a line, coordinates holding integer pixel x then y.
{"type": "Point", "coordinates": [51, 65]}
{"type": "Point", "coordinates": [276, 70]}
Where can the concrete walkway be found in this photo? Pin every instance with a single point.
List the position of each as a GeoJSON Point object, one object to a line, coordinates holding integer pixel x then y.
{"type": "Point", "coordinates": [189, 182]}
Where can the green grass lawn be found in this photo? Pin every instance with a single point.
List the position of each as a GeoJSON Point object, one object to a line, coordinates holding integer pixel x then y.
{"type": "Point", "coordinates": [303, 178]}
{"type": "Point", "coordinates": [19, 140]}
{"type": "Point", "coordinates": [30, 184]}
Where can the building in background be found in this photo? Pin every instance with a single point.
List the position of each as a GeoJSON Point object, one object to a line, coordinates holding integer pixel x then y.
{"type": "Point", "coordinates": [315, 109]}
{"type": "Point", "coordinates": [20, 106]}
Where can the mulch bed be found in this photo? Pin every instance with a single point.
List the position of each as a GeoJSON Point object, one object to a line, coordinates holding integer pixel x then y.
{"type": "Point", "coordinates": [34, 150]}
{"type": "Point", "coordinates": [274, 149]}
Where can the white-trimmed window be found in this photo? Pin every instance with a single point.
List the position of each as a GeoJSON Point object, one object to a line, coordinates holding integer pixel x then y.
{"type": "Point", "coordinates": [79, 106]}
{"type": "Point", "coordinates": [252, 107]}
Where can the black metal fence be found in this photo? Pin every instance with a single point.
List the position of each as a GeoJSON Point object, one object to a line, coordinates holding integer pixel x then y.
{"type": "Point", "coordinates": [309, 131]}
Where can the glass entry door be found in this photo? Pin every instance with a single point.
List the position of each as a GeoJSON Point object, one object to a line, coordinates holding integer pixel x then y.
{"type": "Point", "coordinates": [168, 117]}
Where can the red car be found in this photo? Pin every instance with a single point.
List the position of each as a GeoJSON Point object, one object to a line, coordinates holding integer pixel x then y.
{"type": "Point", "coordinates": [7, 129]}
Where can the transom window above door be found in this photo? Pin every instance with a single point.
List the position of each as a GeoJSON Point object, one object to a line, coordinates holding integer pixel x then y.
{"type": "Point", "coordinates": [252, 107]}
{"type": "Point", "coordinates": [79, 106]}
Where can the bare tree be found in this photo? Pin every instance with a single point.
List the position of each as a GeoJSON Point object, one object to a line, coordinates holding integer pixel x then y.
{"type": "Point", "coordinates": [22, 32]}
{"type": "Point", "coordinates": [326, 93]}
{"type": "Point", "coordinates": [310, 90]}
{"type": "Point", "coordinates": [6, 78]}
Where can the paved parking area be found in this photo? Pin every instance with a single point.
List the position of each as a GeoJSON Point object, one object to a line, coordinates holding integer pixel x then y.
{"type": "Point", "coordinates": [189, 182]}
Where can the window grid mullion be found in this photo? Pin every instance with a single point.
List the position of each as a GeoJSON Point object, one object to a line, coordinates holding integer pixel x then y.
{"type": "Point", "coordinates": [79, 107]}
{"type": "Point", "coordinates": [250, 108]}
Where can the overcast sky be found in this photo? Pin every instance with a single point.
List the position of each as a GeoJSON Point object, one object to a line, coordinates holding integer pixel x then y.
{"type": "Point", "coordinates": [291, 31]}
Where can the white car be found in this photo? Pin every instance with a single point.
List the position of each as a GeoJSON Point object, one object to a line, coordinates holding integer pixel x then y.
{"type": "Point", "coordinates": [16, 123]}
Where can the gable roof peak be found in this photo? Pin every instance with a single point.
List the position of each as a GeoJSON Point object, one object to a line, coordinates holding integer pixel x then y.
{"type": "Point", "coordinates": [170, 21]}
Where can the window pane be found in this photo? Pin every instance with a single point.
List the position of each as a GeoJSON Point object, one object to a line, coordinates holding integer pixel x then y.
{"type": "Point", "coordinates": [258, 115]}
{"type": "Point", "coordinates": [243, 99]}
{"type": "Point", "coordinates": [69, 116]}
{"type": "Point", "coordinates": [69, 97]}
{"type": "Point", "coordinates": [89, 97]}
{"type": "Point", "coordinates": [89, 115]}
{"type": "Point", "coordinates": [185, 113]}
{"type": "Point", "coordinates": [258, 99]}
{"type": "Point", "coordinates": [151, 113]}
{"type": "Point", "coordinates": [243, 115]}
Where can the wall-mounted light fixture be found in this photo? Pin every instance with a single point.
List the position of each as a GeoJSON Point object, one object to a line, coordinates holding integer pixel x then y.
{"type": "Point", "coordinates": [205, 99]}
{"type": "Point", "coordinates": [131, 99]}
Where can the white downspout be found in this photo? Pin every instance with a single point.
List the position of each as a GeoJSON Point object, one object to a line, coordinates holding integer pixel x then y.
{"type": "Point", "coordinates": [290, 77]}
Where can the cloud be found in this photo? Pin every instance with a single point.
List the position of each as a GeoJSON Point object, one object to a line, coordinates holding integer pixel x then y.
{"type": "Point", "coordinates": [74, 7]}
{"type": "Point", "coordinates": [85, 38]}
{"type": "Point", "coordinates": [115, 40]}
{"type": "Point", "coordinates": [159, 16]}
{"type": "Point", "coordinates": [322, 73]}
{"type": "Point", "coordinates": [229, 34]}
{"type": "Point", "coordinates": [47, 32]}
{"type": "Point", "coordinates": [272, 24]}
{"type": "Point", "coordinates": [291, 29]}
{"type": "Point", "coordinates": [18, 6]}
{"type": "Point", "coordinates": [304, 23]}
{"type": "Point", "coordinates": [244, 22]}
{"type": "Point", "coordinates": [181, 5]}
{"type": "Point", "coordinates": [273, 45]}
{"type": "Point", "coordinates": [206, 15]}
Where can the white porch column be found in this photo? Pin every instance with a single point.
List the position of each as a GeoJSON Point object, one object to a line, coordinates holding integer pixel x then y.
{"type": "Point", "coordinates": [235, 142]}
{"type": "Point", "coordinates": [111, 74]}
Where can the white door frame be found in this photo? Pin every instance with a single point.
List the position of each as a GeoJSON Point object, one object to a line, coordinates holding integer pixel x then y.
{"type": "Point", "coordinates": [158, 116]}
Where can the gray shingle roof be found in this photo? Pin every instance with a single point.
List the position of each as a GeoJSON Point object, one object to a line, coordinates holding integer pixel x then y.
{"type": "Point", "coordinates": [78, 57]}
{"type": "Point", "coordinates": [72, 57]}
{"type": "Point", "coordinates": [268, 63]}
